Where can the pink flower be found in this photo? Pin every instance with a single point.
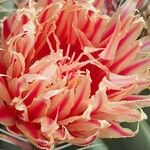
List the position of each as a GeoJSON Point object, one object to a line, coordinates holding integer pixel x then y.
{"type": "Point", "coordinates": [70, 71]}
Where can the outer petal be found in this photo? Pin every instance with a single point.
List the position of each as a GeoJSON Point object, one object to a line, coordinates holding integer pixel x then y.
{"type": "Point", "coordinates": [110, 111]}
{"type": "Point", "coordinates": [125, 58]}
{"type": "Point", "coordinates": [137, 66]}
{"type": "Point", "coordinates": [136, 101]}
{"type": "Point", "coordinates": [116, 131]}
{"type": "Point", "coordinates": [31, 131]}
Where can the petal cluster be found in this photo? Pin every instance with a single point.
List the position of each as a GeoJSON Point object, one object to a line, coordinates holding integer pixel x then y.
{"type": "Point", "coordinates": [71, 71]}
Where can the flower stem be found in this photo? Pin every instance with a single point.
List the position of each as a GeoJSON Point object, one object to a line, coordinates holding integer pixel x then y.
{"type": "Point", "coordinates": [15, 140]}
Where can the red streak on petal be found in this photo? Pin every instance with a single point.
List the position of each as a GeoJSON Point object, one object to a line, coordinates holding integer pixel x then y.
{"type": "Point", "coordinates": [32, 95]}
{"type": "Point", "coordinates": [120, 131]}
{"type": "Point", "coordinates": [134, 97]}
{"type": "Point", "coordinates": [108, 32]}
{"type": "Point", "coordinates": [62, 104]}
{"type": "Point", "coordinates": [78, 101]}
{"type": "Point", "coordinates": [135, 66]}
{"type": "Point", "coordinates": [30, 129]}
{"type": "Point", "coordinates": [127, 36]}
{"type": "Point", "coordinates": [125, 57]}
{"type": "Point", "coordinates": [36, 110]}
{"type": "Point", "coordinates": [97, 25]}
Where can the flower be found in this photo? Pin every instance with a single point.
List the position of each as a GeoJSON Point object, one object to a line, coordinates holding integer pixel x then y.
{"type": "Point", "coordinates": [71, 71]}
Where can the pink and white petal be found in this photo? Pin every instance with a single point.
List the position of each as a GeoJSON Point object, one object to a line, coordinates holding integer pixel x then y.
{"type": "Point", "coordinates": [126, 114]}
{"type": "Point", "coordinates": [48, 125]}
{"type": "Point", "coordinates": [135, 101]}
{"type": "Point", "coordinates": [136, 97]}
{"type": "Point", "coordinates": [19, 85]}
{"type": "Point", "coordinates": [115, 91]}
{"type": "Point", "coordinates": [116, 131]}
{"type": "Point", "coordinates": [69, 9]}
{"type": "Point", "coordinates": [124, 12]}
{"type": "Point", "coordinates": [87, 126]}
{"type": "Point", "coordinates": [125, 58]}
{"type": "Point", "coordinates": [82, 38]}
{"type": "Point", "coordinates": [129, 87]}
{"type": "Point", "coordinates": [48, 70]}
{"type": "Point", "coordinates": [114, 117]}
{"type": "Point", "coordinates": [125, 81]}
{"type": "Point", "coordinates": [109, 108]}
{"type": "Point", "coordinates": [32, 132]}
{"type": "Point", "coordinates": [51, 93]}
{"type": "Point", "coordinates": [46, 62]}
{"type": "Point", "coordinates": [97, 32]}
{"type": "Point", "coordinates": [99, 100]}
{"type": "Point", "coordinates": [64, 108]}
{"type": "Point", "coordinates": [32, 92]}
{"type": "Point", "coordinates": [82, 94]}
{"type": "Point", "coordinates": [84, 116]}
{"type": "Point", "coordinates": [130, 37]}
{"type": "Point", "coordinates": [61, 102]}
{"type": "Point", "coordinates": [70, 120]}
{"type": "Point", "coordinates": [118, 95]}
{"type": "Point", "coordinates": [28, 78]}
{"type": "Point", "coordinates": [38, 108]}
{"type": "Point", "coordinates": [83, 141]}
{"type": "Point", "coordinates": [110, 51]}
{"type": "Point", "coordinates": [137, 66]}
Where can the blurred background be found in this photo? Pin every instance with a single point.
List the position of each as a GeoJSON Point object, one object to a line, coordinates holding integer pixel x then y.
{"type": "Point", "coordinates": [140, 141]}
